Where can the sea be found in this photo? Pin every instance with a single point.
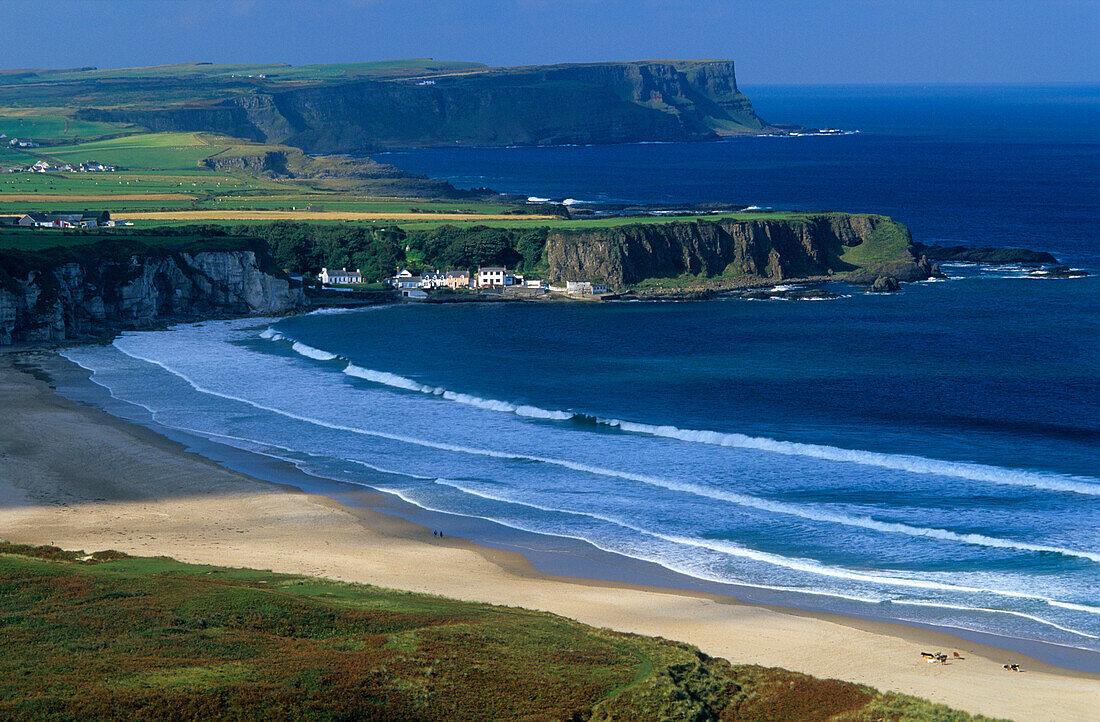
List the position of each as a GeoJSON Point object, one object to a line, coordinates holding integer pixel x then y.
{"type": "Point", "coordinates": [930, 457]}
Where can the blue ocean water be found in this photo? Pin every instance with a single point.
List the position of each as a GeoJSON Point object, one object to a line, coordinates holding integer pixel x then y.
{"type": "Point", "coordinates": [928, 456]}
{"type": "Point", "coordinates": [989, 166]}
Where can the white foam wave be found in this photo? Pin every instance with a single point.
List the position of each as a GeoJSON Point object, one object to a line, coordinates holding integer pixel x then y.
{"type": "Point", "coordinates": [1032, 617]}
{"type": "Point", "coordinates": [387, 378]}
{"type": "Point", "coordinates": [730, 548]}
{"type": "Point", "coordinates": [808, 566]}
{"type": "Point", "coordinates": [653, 559]}
{"type": "Point", "coordinates": [313, 353]}
{"type": "Point", "coordinates": [745, 500]}
{"type": "Point", "coordinates": [897, 462]}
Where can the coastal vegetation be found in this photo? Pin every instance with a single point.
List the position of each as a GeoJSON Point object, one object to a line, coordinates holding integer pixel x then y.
{"type": "Point", "coordinates": [107, 636]}
{"type": "Point", "coordinates": [362, 107]}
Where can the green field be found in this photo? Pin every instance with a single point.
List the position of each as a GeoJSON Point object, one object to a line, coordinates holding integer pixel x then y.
{"type": "Point", "coordinates": [147, 151]}
{"type": "Point", "coordinates": [56, 127]}
{"type": "Point", "coordinates": [114, 637]}
{"type": "Point", "coordinates": [273, 71]}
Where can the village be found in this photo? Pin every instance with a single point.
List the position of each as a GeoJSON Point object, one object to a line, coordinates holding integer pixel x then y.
{"type": "Point", "coordinates": [487, 278]}
{"type": "Point", "coordinates": [83, 219]}
{"type": "Point", "coordinates": [43, 166]}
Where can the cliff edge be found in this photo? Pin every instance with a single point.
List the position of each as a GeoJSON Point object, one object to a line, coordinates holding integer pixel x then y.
{"type": "Point", "coordinates": [68, 293]}
{"type": "Point", "coordinates": [673, 100]}
{"type": "Point", "coordinates": [855, 248]}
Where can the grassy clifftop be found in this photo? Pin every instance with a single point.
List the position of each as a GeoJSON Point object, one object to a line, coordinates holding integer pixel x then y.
{"type": "Point", "coordinates": [359, 107]}
{"type": "Point", "coordinates": [150, 638]}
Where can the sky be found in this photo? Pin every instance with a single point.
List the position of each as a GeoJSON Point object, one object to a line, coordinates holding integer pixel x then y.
{"type": "Point", "coordinates": [771, 41]}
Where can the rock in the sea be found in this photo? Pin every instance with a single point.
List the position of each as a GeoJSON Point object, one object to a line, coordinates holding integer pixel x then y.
{"type": "Point", "coordinates": [1058, 272]}
{"type": "Point", "coordinates": [937, 272]}
{"type": "Point", "coordinates": [884, 284]}
{"type": "Point", "coordinates": [997, 256]}
{"type": "Point", "coordinates": [790, 294]}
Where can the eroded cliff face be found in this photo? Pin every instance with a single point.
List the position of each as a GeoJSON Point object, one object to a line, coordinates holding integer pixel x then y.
{"type": "Point", "coordinates": [861, 248]}
{"type": "Point", "coordinates": [80, 299]}
{"type": "Point", "coordinates": [590, 103]}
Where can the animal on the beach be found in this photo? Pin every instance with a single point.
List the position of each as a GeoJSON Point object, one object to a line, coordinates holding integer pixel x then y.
{"type": "Point", "coordinates": [927, 655]}
{"type": "Point", "coordinates": [958, 656]}
{"type": "Point", "coordinates": [1013, 668]}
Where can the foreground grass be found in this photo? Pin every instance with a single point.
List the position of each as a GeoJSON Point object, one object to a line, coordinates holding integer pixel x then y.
{"type": "Point", "coordinates": [115, 637]}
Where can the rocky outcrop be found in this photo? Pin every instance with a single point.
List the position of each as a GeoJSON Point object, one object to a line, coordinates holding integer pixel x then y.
{"type": "Point", "coordinates": [372, 178]}
{"type": "Point", "coordinates": [884, 284]}
{"type": "Point", "coordinates": [272, 162]}
{"type": "Point", "coordinates": [544, 105]}
{"type": "Point", "coordinates": [997, 256]}
{"type": "Point", "coordinates": [859, 248]}
{"type": "Point", "coordinates": [75, 298]}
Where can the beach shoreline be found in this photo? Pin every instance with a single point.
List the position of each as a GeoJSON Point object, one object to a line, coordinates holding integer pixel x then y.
{"type": "Point", "coordinates": [78, 477]}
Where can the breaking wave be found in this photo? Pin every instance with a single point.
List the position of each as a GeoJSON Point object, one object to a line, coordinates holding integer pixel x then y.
{"type": "Point", "coordinates": [895, 462]}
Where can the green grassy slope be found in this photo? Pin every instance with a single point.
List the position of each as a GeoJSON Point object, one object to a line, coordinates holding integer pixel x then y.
{"type": "Point", "coordinates": [150, 638]}
{"type": "Point", "coordinates": [357, 106]}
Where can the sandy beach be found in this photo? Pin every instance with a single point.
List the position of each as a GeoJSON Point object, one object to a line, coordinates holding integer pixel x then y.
{"type": "Point", "coordinates": [81, 479]}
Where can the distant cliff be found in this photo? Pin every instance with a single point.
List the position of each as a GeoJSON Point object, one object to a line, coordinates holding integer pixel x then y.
{"type": "Point", "coordinates": [857, 248]}
{"type": "Point", "coordinates": [69, 293]}
{"type": "Point", "coordinates": [557, 104]}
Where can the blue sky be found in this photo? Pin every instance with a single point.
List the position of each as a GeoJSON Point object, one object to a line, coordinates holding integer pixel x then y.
{"type": "Point", "coordinates": [772, 41]}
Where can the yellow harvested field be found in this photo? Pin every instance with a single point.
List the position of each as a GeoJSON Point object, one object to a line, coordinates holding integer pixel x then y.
{"type": "Point", "coordinates": [62, 198]}
{"type": "Point", "coordinates": [233, 215]}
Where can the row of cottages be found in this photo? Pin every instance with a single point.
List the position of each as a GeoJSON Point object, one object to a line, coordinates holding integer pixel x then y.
{"type": "Point", "coordinates": [59, 220]}
{"type": "Point", "coordinates": [430, 278]}
{"type": "Point", "coordinates": [342, 277]}
{"type": "Point", "coordinates": [43, 166]}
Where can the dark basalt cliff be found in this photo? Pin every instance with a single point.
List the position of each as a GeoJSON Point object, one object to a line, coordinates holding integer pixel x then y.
{"type": "Point", "coordinates": [559, 104]}
{"type": "Point", "coordinates": [104, 288]}
{"type": "Point", "coordinates": [857, 248]}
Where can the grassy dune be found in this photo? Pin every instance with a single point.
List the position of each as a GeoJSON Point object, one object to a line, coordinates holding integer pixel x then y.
{"type": "Point", "coordinates": [109, 636]}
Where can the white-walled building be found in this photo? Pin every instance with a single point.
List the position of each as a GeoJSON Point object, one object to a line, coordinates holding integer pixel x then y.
{"type": "Point", "coordinates": [584, 288]}
{"type": "Point", "coordinates": [496, 276]}
{"type": "Point", "coordinates": [333, 277]}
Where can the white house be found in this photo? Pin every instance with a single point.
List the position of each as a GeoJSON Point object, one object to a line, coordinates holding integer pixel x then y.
{"type": "Point", "coordinates": [494, 276]}
{"type": "Point", "coordinates": [341, 277]}
{"type": "Point", "coordinates": [431, 278]}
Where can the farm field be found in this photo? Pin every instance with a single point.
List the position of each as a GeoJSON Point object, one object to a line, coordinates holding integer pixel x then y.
{"type": "Point", "coordinates": [165, 172]}
{"type": "Point", "coordinates": [54, 127]}
{"type": "Point", "coordinates": [149, 151]}
{"type": "Point", "coordinates": [190, 216]}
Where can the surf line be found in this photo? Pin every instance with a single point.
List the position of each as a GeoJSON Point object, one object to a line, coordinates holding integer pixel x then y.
{"type": "Point", "coordinates": [685, 487]}
{"type": "Point", "coordinates": [895, 462]}
{"type": "Point", "coordinates": [731, 549]}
